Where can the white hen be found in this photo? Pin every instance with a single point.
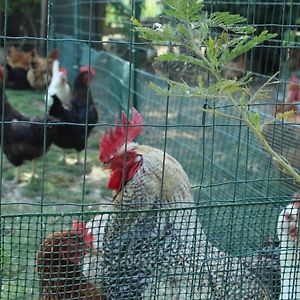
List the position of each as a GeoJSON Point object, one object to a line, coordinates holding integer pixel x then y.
{"type": "Point", "coordinates": [59, 85]}
{"type": "Point", "coordinates": [288, 234]}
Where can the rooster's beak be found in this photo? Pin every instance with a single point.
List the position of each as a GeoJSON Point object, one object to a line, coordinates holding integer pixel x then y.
{"type": "Point", "coordinates": [105, 166]}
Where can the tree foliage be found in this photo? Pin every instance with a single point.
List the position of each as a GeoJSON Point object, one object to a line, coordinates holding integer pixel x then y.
{"type": "Point", "coordinates": [24, 6]}
{"type": "Point", "coordinates": [210, 42]}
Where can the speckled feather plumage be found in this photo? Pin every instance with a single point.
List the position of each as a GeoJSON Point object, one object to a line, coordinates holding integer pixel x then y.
{"type": "Point", "coordinates": [164, 254]}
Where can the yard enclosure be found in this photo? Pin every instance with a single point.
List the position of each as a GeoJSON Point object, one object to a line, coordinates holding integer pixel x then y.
{"type": "Point", "coordinates": [238, 189]}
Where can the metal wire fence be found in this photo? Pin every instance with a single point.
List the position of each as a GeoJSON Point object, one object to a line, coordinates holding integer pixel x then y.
{"type": "Point", "coordinates": [238, 191]}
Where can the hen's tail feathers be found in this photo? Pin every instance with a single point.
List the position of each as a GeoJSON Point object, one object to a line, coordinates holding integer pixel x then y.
{"type": "Point", "coordinates": [55, 68]}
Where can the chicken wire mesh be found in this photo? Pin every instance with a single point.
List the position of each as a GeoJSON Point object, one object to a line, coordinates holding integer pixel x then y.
{"type": "Point", "coordinates": [238, 190]}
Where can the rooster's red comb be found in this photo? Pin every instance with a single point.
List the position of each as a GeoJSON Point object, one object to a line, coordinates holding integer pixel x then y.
{"type": "Point", "coordinates": [81, 229]}
{"type": "Point", "coordinates": [111, 142]}
{"type": "Point", "coordinates": [87, 68]}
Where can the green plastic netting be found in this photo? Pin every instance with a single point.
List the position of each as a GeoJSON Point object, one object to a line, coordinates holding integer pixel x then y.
{"type": "Point", "coordinates": [238, 190]}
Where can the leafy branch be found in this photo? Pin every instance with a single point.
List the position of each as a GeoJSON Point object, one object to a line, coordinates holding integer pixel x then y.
{"type": "Point", "coordinates": [209, 42]}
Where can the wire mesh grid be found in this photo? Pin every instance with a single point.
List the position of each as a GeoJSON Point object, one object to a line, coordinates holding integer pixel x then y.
{"type": "Point", "coordinates": [222, 245]}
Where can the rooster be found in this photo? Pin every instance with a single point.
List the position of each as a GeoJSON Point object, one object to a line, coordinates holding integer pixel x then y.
{"type": "Point", "coordinates": [59, 265]}
{"type": "Point", "coordinates": [288, 234]}
{"type": "Point", "coordinates": [156, 246]}
{"type": "Point", "coordinates": [76, 110]}
{"type": "Point", "coordinates": [59, 85]}
{"type": "Point", "coordinates": [23, 138]}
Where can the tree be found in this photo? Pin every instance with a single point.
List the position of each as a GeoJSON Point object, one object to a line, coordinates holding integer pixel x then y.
{"type": "Point", "coordinates": [28, 9]}
{"type": "Point", "coordinates": [209, 42]}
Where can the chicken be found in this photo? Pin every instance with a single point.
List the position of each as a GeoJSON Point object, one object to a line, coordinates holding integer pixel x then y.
{"type": "Point", "coordinates": [235, 68]}
{"type": "Point", "coordinates": [28, 70]}
{"type": "Point", "coordinates": [17, 66]}
{"type": "Point", "coordinates": [156, 247]}
{"type": "Point", "coordinates": [16, 78]}
{"type": "Point", "coordinates": [23, 138]}
{"type": "Point", "coordinates": [76, 110]}
{"type": "Point", "coordinates": [288, 234]}
{"type": "Point", "coordinates": [59, 85]}
{"type": "Point", "coordinates": [97, 228]}
{"type": "Point", "coordinates": [293, 95]}
{"type": "Point", "coordinates": [40, 70]}
{"type": "Point", "coordinates": [59, 265]}
{"type": "Point", "coordinates": [19, 59]}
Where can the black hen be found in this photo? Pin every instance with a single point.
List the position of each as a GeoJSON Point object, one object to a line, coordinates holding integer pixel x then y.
{"type": "Point", "coordinates": [72, 136]}
{"type": "Point", "coordinates": [17, 78]}
{"type": "Point", "coordinates": [23, 137]}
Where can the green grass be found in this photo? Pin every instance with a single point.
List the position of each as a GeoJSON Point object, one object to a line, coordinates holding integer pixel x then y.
{"type": "Point", "coordinates": [59, 188]}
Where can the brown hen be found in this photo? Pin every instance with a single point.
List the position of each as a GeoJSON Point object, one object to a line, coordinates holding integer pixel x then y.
{"type": "Point", "coordinates": [59, 266]}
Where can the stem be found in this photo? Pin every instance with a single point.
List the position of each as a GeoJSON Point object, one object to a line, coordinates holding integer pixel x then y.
{"type": "Point", "coordinates": [281, 161]}
{"type": "Point", "coordinates": [213, 111]}
{"type": "Point", "coordinates": [285, 165]}
{"type": "Point", "coordinates": [260, 90]}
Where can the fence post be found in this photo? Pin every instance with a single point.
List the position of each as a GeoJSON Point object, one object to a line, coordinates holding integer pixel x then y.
{"type": "Point", "coordinates": [77, 28]}
{"type": "Point", "coordinates": [43, 23]}
{"type": "Point", "coordinates": [135, 55]}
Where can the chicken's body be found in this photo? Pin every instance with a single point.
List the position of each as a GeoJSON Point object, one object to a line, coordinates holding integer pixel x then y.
{"type": "Point", "coordinates": [40, 70]}
{"type": "Point", "coordinates": [59, 268]}
{"type": "Point", "coordinates": [156, 248]}
{"type": "Point", "coordinates": [24, 138]}
{"type": "Point", "coordinates": [288, 234]}
{"type": "Point", "coordinates": [58, 86]}
{"type": "Point", "coordinates": [19, 59]}
{"type": "Point", "coordinates": [167, 252]}
{"type": "Point", "coordinates": [292, 97]}
{"type": "Point", "coordinates": [173, 191]}
{"type": "Point", "coordinates": [75, 110]}
{"type": "Point", "coordinates": [16, 78]}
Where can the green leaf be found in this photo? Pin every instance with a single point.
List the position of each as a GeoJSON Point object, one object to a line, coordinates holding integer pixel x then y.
{"type": "Point", "coordinates": [243, 101]}
{"type": "Point", "coordinates": [230, 22]}
{"type": "Point", "coordinates": [159, 90]}
{"type": "Point", "coordinates": [184, 10]}
{"type": "Point", "coordinates": [182, 58]}
{"type": "Point", "coordinates": [166, 34]}
{"type": "Point", "coordinates": [285, 114]}
{"type": "Point", "coordinates": [255, 119]}
{"type": "Point", "coordinates": [246, 44]}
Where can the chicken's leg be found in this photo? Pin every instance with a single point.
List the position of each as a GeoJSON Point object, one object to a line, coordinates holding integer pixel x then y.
{"type": "Point", "coordinates": [33, 172]}
{"type": "Point", "coordinates": [17, 178]}
{"type": "Point", "coordinates": [63, 159]}
{"type": "Point", "coordinates": [78, 161]}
